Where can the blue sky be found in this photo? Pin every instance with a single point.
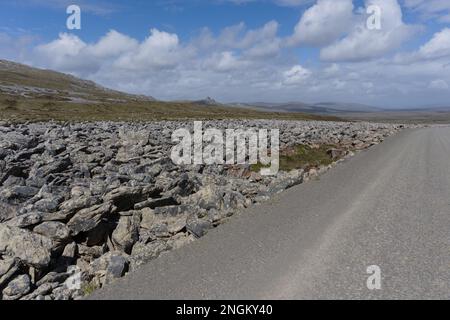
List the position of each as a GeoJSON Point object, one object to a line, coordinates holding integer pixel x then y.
{"type": "Point", "coordinates": [242, 50]}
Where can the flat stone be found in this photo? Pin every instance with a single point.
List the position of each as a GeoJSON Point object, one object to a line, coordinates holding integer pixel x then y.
{"type": "Point", "coordinates": [87, 219]}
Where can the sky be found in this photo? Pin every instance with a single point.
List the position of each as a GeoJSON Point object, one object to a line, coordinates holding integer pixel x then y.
{"type": "Point", "coordinates": [243, 50]}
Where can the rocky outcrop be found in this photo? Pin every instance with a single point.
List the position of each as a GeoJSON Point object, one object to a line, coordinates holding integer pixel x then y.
{"type": "Point", "coordinates": [83, 204]}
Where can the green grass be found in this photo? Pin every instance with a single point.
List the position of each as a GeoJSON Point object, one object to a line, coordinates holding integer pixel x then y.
{"type": "Point", "coordinates": [89, 288]}
{"type": "Point", "coordinates": [302, 157]}
{"type": "Point", "coordinates": [55, 108]}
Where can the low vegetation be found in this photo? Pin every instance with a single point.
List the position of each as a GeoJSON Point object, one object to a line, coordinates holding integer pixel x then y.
{"type": "Point", "coordinates": [56, 108]}
{"type": "Point", "coordinates": [303, 157]}
{"type": "Point", "coordinates": [31, 94]}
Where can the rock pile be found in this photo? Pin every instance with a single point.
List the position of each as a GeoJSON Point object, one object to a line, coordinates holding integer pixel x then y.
{"type": "Point", "coordinates": [83, 204]}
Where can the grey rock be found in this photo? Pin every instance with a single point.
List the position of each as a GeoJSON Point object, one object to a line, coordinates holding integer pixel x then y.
{"type": "Point", "coordinates": [98, 235]}
{"type": "Point", "coordinates": [198, 227]}
{"type": "Point", "coordinates": [53, 277]}
{"type": "Point", "coordinates": [17, 288]}
{"type": "Point", "coordinates": [88, 219]}
{"type": "Point", "coordinates": [127, 233]}
{"type": "Point", "coordinates": [43, 290]}
{"type": "Point", "coordinates": [175, 210]}
{"type": "Point", "coordinates": [6, 265]}
{"type": "Point", "coordinates": [154, 203]}
{"type": "Point", "coordinates": [32, 249]}
{"type": "Point", "coordinates": [7, 211]}
{"type": "Point", "coordinates": [26, 220]}
{"type": "Point", "coordinates": [233, 201]}
{"type": "Point", "coordinates": [162, 225]}
{"type": "Point", "coordinates": [90, 253]}
{"type": "Point", "coordinates": [57, 231]}
{"type": "Point", "coordinates": [17, 193]}
{"type": "Point", "coordinates": [180, 240]}
{"type": "Point", "coordinates": [68, 255]}
{"type": "Point", "coordinates": [125, 198]}
{"type": "Point", "coordinates": [143, 253]}
{"type": "Point", "coordinates": [47, 205]}
{"type": "Point", "coordinates": [78, 203]}
{"type": "Point", "coordinates": [9, 275]}
{"type": "Point", "coordinates": [110, 266]}
{"type": "Point", "coordinates": [14, 181]}
{"type": "Point", "coordinates": [209, 197]}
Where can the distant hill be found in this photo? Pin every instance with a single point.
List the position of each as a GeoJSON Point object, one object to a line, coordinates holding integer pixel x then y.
{"type": "Point", "coordinates": [319, 108]}
{"type": "Point", "coordinates": [31, 94]}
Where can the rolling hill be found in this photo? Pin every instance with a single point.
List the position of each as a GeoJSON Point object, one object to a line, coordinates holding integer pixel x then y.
{"type": "Point", "coordinates": [31, 94]}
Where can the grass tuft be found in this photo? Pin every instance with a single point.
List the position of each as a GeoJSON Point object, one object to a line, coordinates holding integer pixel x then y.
{"type": "Point", "coordinates": [303, 157]}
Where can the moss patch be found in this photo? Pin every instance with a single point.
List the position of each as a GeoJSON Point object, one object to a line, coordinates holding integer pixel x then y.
{"type": "Point", "coordinates": [302, 157]}
{"type": "Point", "coordinates": [89, 288]}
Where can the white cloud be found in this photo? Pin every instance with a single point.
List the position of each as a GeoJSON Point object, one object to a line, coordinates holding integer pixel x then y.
{"type": "Point", "coordinates": [438, 46]}
{"type": "Point", "coordinates": [223, 62]}
{"type": "Point", "coordinates": [363, 43]}
{"type": "Point", "coordinates": [324, 23]}
{"type": "Point", "coordinates": [113, 44]}
{"type": "Point", "coordinates": [296, 75]}
{"type": "Point", "coordinates": [158, 51]}
{"type": "Point", "coordinates": [63, 54]}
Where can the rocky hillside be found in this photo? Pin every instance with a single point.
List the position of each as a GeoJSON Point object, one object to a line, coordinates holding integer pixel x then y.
{"type": "Point", "coordinates": [84, 204]}
{"type": "Point", "coordinates": [18, 80]}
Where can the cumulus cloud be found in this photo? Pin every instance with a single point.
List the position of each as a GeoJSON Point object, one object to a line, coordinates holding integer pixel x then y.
{"type": "Point", "coordinates": [438, 46]}
{"type": "Point", "coordinates": [296, 75]}
{"type": "Point", "coordinates": [323, 23]}
{"type": "Point", "coordinates": [363, 43]}
{"type": "Point", "coordinates": [223, 61]}
{"type": "Point", "coordinates": [158, 51]}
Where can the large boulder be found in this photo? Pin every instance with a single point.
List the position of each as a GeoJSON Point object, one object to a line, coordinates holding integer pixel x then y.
{"type": "Point", "coordinates": [32, 249]}
{"type": "Point", "coordinates": [127, 232]}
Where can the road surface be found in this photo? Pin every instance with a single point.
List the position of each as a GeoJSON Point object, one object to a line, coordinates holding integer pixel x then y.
{"type": "Point", "coordinates": [388, 206]}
